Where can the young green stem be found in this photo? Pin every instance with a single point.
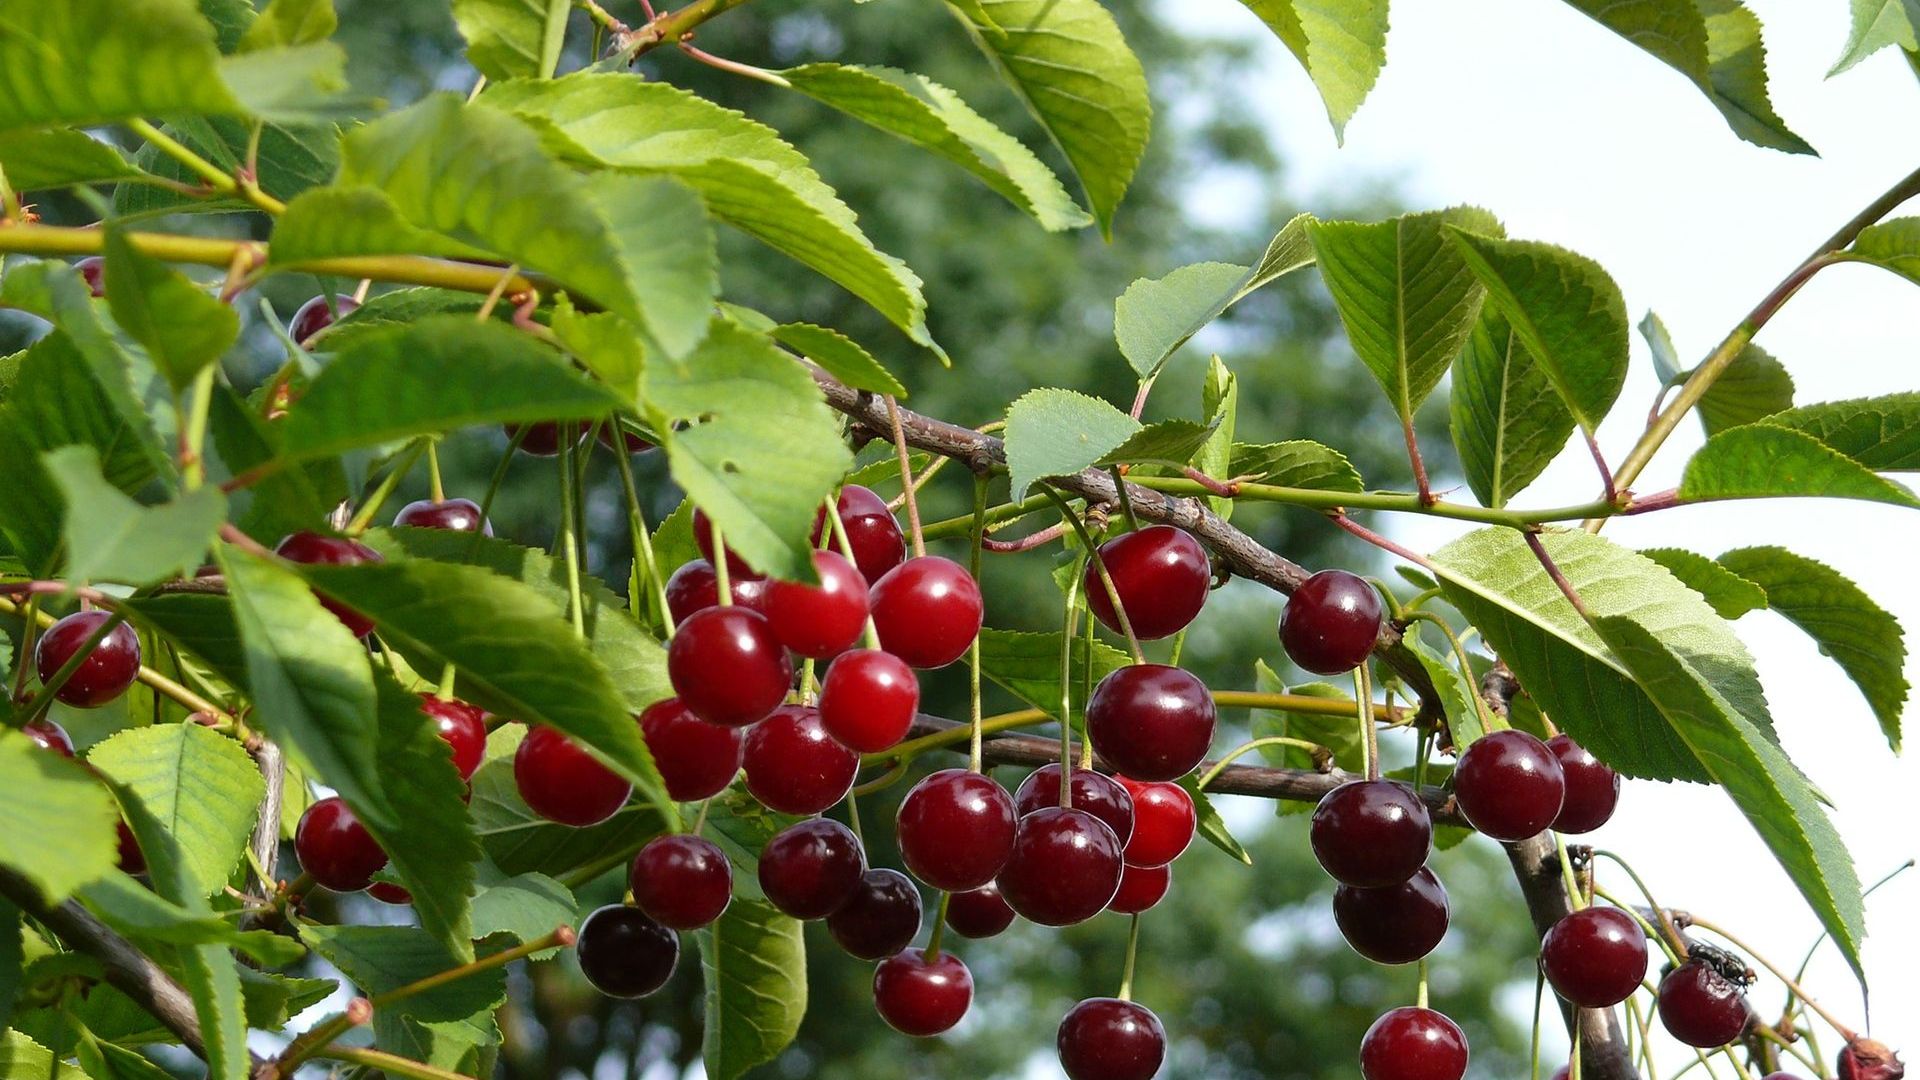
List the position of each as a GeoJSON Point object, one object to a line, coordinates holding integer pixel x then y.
{"type": "Point", "coordinates": [642, 540]}
{"type": "Point", "coordinates": [1100, 569]}
{"type": "Point", "coordinates": [363, 517]}
{"type": "Point", "coordinates": [1322, 757]}
{"type": "Point", "coordinates": [1369, 738]}
{"type": "Point", "coordinates": [932, 951]}
{"type": "Point", "coordinates": [569, 544]}
{"type": "Point", "coordinates": [1067, 626]}
{"type": "Point", "coordinates": [1133, 953]}
{"type": "Point", "coordinates": [975, 736]}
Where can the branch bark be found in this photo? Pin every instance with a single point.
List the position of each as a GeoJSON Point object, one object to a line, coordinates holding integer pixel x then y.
{"type": "Point", "coordinates": [1603, 1049]}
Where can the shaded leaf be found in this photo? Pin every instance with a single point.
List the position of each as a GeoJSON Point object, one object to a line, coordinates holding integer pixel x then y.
{"type": "Point", "coordinates": [1762, 461]}
{"type": "Point", "coordinates": [290, 159]}
{"type": "Point", "coordinates": [1027, 665]}
{"type": "Point", "coordinates": [1220, 403]}
{"type": "Point", "coordinates": [1168, 442]}
{"type": "Point", "coordinates": [57, 157]}
{"type": "Point", "coordinates": [1508, 421]}
{"type": "Point", "coordinates": [512, 39]}
{"type": "Point", "coordinates": [526, 907]}
{"type": "Point", "coordinates": [519, 841]}
{"type": "Point", "coordinates": [290, 22]}
{"type": "Point", "coordinates": [136, 911]}
{"type": "Point", "coordinates": [1891, 245]}
{"type": "Point", "coordinates": [183, 328]}
{"type": "Point", "coordinates": [117, 539]}
{"type": "Point", "coordinates": [1730, 594]}
{"type": "Point", "coordinates": [1881, 433]}
{"type": "Point", "coordinates": [1208, 823]}
{"type": "Point", "coordinates": [1155, 316]}
{"type": "Point", "coordinates": [1753, 387]}
{"type": "Point", "coordinates": [60, 831]}
{"type": "Point", "coordinates": [755, 963]}
{"type": "Point", "coordinates": [1666, 358]}
{"type": "Point", "coordinates": [1296, 463]}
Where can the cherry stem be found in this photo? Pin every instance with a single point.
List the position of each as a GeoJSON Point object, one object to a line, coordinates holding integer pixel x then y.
{"type": "Point", "coordinates": [1739, 1069]}
{"type": "Point", "coordinates": [507, 277]}
{"type": "Point", "coordinates": [29, 632]}
{"type": "Point", "coordinates": [1100, 568]}
{"type": "Point", "coordinates": [569, 544]}
{"type": "Point", "coordinates": [1086, 685]}
{"type": "Point", "coordinates": [845, 544]}
{"type": "Point", "coordinates": [1807, 961]}
{"type": "Point", "coordinates": [1638, 1020]}
{"type": "Point", "coordinates": [853, 819]}
{"type": "Point", "coordinates": [1420, 994]}
{"type": "Point", "coordinates": [997, 517]}
{"type": "Point", "coordinates": [435, 489]}
{"type": "Point", "coordinates": [1068, 625]}
{"type": "Point", "coordinates": [1026, 543]}
{"type": "Point", "coordinates": [932, 951]}
{"type": "Point", "coordinates": [1576, 896]}
{"type": "Point", "coordinates": [975, 739]}
{"type": "Point", "coordinates": [1379, 541]}
{"type": "Point", "coordinates": [1573, 1058]}
{"type": "Point", "coordinates": [363, 517]}
{"type": "Point", "coordinates": [1672, 940]}
{"type": "Point", "coordinates": [1766, 1031]}
{"type": "Point", "coordinates": [1609, 492]}
{"type": "Point", "coordinates": [1560, 579]}
{"type": "Point", "coordinates": [906, 477]}
{"type": "Point", "coordinates": [642, 540]}
{"type": "Point", "coordinates": [1793, 985]}
{"type": "Point", "coordinates": [447, 676]}
{"type": "Point", "coordinates": [885, 780]}
{"type": "Point", "coordinates": [1133, 951]}
{"type": "Point", "coordinates": [1539, 994]}
{"type": "Point", "coordinates": [1369, 738]}
{"type": "Point", "coordinates": [734, 66]}
{"type": "Point", "coordinates": [391, 1064]}
{"type": "Point", "coordinates": [1126, 501]}
{"type": "Point", "coordinates": [1322, 757]}
{"type": "Point", "coordinates": [1488, 720]}
{"type": "Point", "coordinates": [1652, 931]}
{"type": "Point", "coordinates": [700, 819]}
{"type": "Point", "coordinates": [43, 701]}
{"type": "Point", "coordinates": [912, 748]}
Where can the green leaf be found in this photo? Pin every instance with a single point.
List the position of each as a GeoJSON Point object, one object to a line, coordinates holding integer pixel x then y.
{"type": "Point", "coordinates": [1339, 734]}
{"type": "Point", "coordinates": [1730, 594]}
{"type": "Point", "coordinates": [343, 222]}
{"type": "Point", "coordinates": [138, 912]}
{"type": "Point", "coordinates": [1155, 316]}
{"type": "Point", "coordinates": [1169, 442]}
{"type": "Point", "coordinates": [379, 959]}
{"type": "Point", "coordinates": [1761, 461]}
{"type": "Point", "coordinates": [526, 907]}
{"type": "Point", "coordinates": [1059, 432]}
{"type": "Point", "coordinates": [519, 841]}
{"type": "Point", "coordinates": [1753, 387]}
{"type": "Point", "coordinates": [1891, 245]}
{"type": "Point", "coordinates": [12, 956]}
{"type": "Point", "coordinates": [84, 62]}
{"type": "Point", "coordinates": [839, 356]}
{"type": "Point", "coordinates": [1209, 824]}
{"type": "Point", "coordinates": [1861, 636]}
{"type": "Point", "coordinates": [201, 787]}
{"type": "Point", "coordinates": [283, 501]}
{"type": "Point", "coordinates": [58, 157]}
{"type": "Point", "coordinates": [513, 39]}
{"type": "Point", "coordinates": [1220, 402]}
{"type": "Point", "coordinates": [1341, 43]}
{"type": "Point", "coordinates": [106, 1061]}
{"type": "Point", "coordinates": [291, 22]}
{"type": "Point", "coordinates": [1876, 25]}
{"type": "Point", "coordinates": [755, 963]}
{"type": "Point", "coordinates": [1666, 359]}
{"type": "Point", "coordinates": [1508, 422]}
{"type": "Point", "coordinates": [1027, 665]}
{"type": "Point", "coordinates": [272, 1000]}
{"type": "Point", "coordinates": [1457, 696]}
{"type": "Point", "coordinates": [116, 539]}
{"type": "Point", "coordinates": [183, 328]}
{"type": "Point", "coordinates": [1296, 463]}
{"type": "Point", "coordinates": [1881, 433]}
{"type": "Point", "coordinates": [21, 1057]}
{"type": "Point", "coordinates": [661, 230]}
{"type": "Point", "coordinates": [605, 344]}
{"type": "Point", "coordinates": [290, 160]}
{"type": "Point", "coordinates": [60, 830]}
{"type": "Point", "coordinates": [1290, 249]}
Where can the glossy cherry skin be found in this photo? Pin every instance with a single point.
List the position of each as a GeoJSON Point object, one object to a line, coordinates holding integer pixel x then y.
{"type": "Point", "coordinates": [880, 918]}
{"type": "Point", "coordinates": [1065, 867]}
{"type": "Point", "coordinates": [455, 515]}
{"type": "Point", "coordinates": [821, 621]}
{"type": "Point", "coordinates": [464, 727]}
{"type": "Point", "coordinates": [93, 270]}
{"type": "Point", "coordinates": [868, 700]}
{"type": "Point", "coordinates": [703, 536]}
{"type": "Point", "coordinates": [1413, 1044]}
{"type": "Point", "coordinates": [695, 586]}
{"type": "Point", "coordinates": [104, 675]}
{"type": "Point", "coordinates": [1096, 793]}
{"type": "Point", "coordinates": [872, 531]}
{"type": "Point", "coordinates": [127, 853]}
{"type": "Point", "coordinates": [388, 893]}
{"type": "Point", "coordinates": [682, 882]}
{"type": "Point", "coordinates": [979, 913]}
{"type": "Point", "coordinates": [49, 736]}
{"type": "Point", "coordinates": [728, 667]}
{"type": "Point", "coordinates": [1162, 575]}
{"type": "Point", "coordinates": [1595, 957]}
{"type": "Point", "coordinates": [1331, 622]}
{"type": "Point", "coordinates": [561, 782]}
{"type": "Point", "coordinates": [624, 954]}
{"type": "Point", "coordinates": [1593, 789]}
{"type": "Point", "coordinates": [314, 549]}
{"type": "Point", "coordinates": [1701, 1007]}
{"type": "Point", "coordinates": [542, 438]}
{"type": "Point", "coordinates": [956, 829]}
{"type": "Point", "coordinates": [921, 997]}
{"type": "Point", "coordinates": [1509, 785]}
{"type": "Point", "coordinates": [1371, 833]}
{"type": "Point", "coordinates": [927, 610]}
{"type": "Point", "coordinates": [1151, 721]}
{"type": "Point", "coordinates": [697, 760]}
{"type": "Point", "coordinates": [1110, 1039]}
{"type": "Point", "coordinates": [808, 870]}
{"type": "Point", "coordinates": [335, 848]}
{"type": "Point", "coordinates": [1394, 924]}
{"type": "Point", "coordinates": [1141, 887]}
{"type": "Point", "coordinates": [317, 314]}
{"type": "Point", "coordinates": [794, 766]}
{"type": "Point", "coordinates": [1163, 822]}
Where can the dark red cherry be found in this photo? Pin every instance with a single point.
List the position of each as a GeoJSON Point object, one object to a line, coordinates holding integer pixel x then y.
{"type": "Point", "coordinates": [464, 727]}
{"type": "Point", "coordinates": [794, 766]}
{"type": "Point", "coordinates": [694, 586]}
{"type": "Point", "coordinates": [388, 893]}
{"type": "Point", "coordinates": [1096, 793]}
{"type": "Point", "coordinates": [821, 621]}
{"type": "Point", "coordinates": [1595, 957]}
{"type": "Point", "coordinates": [624, 954]}
{"type": "Point", "coordinates": [881, 917]}
{"type": "Point", "coordinates": [1701, 1007]}
{"type": "Point", "coordinates": [1064, 869]}
{"type": "Point", "coordinates": [1371, 833]}
{"type": "Point", "coordinates": [314, 549]}
{"type": "Point", "coordinates": [697, 760]}
{"type": "Point", "coordinates": [956, 829]}
{"type": "Point", "coordinates": [979, 913]}
{"type": "Point", "coordinates": [872, 531]}
{"type": "Point", "coordinates": [1393, 924]}
{"type": "Point", "coordinates": [93, 270]}
{"type": "Point", "coordinates": [127, 851]}
{"type": "Point", "coordinates": [808, 870]}
{"type": "Point", "coordinates": [1151, 721]}
{"type": "Point", "coordinates": [317, 314]}
{"type": "Point", "coordinates": [634, 444]}
{"type": "Point", "coordinates": [1593, 789]}
{"type": "Point", "coordinates": [727, 666]}
{"type": "Point", "coordinates": [562, 782]}
{"type": "Point", "coordinates": [1331, 622]}
{"type": "Point", "coordinates": [1162, 575]}
{"type": "Point", "coordinates": [682, 881]}
{"type": "Point", "coordinates": [1141, 887]}
{"type": "Point", "coordinates": [1413, 1044]}
{"type": "Point", "coordinates": [919, 996]}
{"type": "Point", "coordinates": [49, 736]}
{"type": "Point", "coordinates": [105, 674]}
{"type": "Point", "coordinates": [1163, 822]}
{"type": "Point", "coordinates": [1868, 1059]}
{"type": "Point", "coordinates": [456, 515]}
{"type": "Point", "coordinates": [703, 536]}
{"type": "Point", "coordinates": [1509, 785]}
{"type": "Point", "coordinates": [927, 611]}
{"type": "Point", "coordinates": [868, 700]}
{"type": "Point", "coordinates": [1110, 1039]}
{"type": "Point", "coordinates": [542, 438]}
{"type": "Point", "coordinates": [335, 848]}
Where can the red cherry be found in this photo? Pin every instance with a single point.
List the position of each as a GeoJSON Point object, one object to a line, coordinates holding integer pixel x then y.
{"type": "Point", "coordinates": [1393, 924]}
{"type": "Point", "coordinates": [464, 727]}
{"type": "Point", "coordinates": [1151, 721]}
{"type": "Point", "coordinates": [1701, 1007]}
{"type": "Point", "coordinates": [703, 536]}
{"type": "Point", "coordinates": [808, 870]}
{"type": "Point", "coordinates": [316, 315]}
{"type": "Point", "coordinates": [455, 515]}
{"type": "Point", "coordinates": [1868, 1059]}
{"type": "Point", "coordinates": [794, 766]}
{"type": "Point", "coordinates": [1110, 1039]}
{"type": "Point", "coordinates": [868, 700]}
{"type": "Point", "coordinates": [1509, 785]}
{"type": "Point", "coordinates": [1593, 789]}
{"type": "Point", "coordinates": [128, 855]}
{"type": "Point", "coordinates": [956, 829]}
{"type": "Point", "coordinates": [1595, 957]}
{"type": "Point", "coordinates": [1162, 575]}
{"type": "Point", "coordinates": [104, 675]}
{"type": "Point", "coordinates": [1096, 793]}
{"type": "Point", "coordinates": [694, 587]}
{"type": "Point", "coordinates": [1413, 1044]}
{"type": "Point", "coordinates": [727, 666]}
{"type": "Point", "coordinates": [624, 954]}
{"type": "Point", "coordinates": [1331, 622]}
{"type": "Point", "coordinates": [1141, 887]}
{"type": "Point", "coordinates": [543, 437]}
{"type": "Point", "coordinates": [880, 918]}
{"type": "Point", "coordinates": [1371, 833]}
{"type": "Point", "coordinates": [93, 270]}
{"type": "Point", "coordinates": [314, 549]}
{"type": "Point", "coordinates": [682, 881]}
{"type": "Point", "coordinates": [872, 531]}
{"type": "Point", "coordinates": [927, 611]}
{"type": "Point", "coordinates": [1064, 869]}
{"type": "Point", "coordinates": [562, 782]}
{"type": "Point", "coordinates": [1163, 822]}
{"type": "Point", "coordinates": [634, 444]}
{"type": "Point", "coordinates": [821, 621]}
{"type": "Point", "coordinates": [335, 848]}
{"type": "Point", "coordinates": [697, 760]}
{"type": "Point", "coordinates": [919, 996]}
{"type": "Point", "coordinates": [49, 736]}
{"type": "Point", "coordinates": [979, 913]}
{"type": "Point", "coordinates": [388, 893]}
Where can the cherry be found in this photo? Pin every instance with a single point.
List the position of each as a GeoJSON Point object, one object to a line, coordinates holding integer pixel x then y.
{"type": "Point", "coordinates": [1509, 785]}
{"type": "Point", "coordinates": [335, 848]}
{"type": "Point", "coordinates": [1701, 1007]}
{"type": "Point", "coordinates": [1162, 575]}
{"type": "Point", "coordinates": [561, 782]}
{"type": "Point", "coordinates": [682, 881]}
{"type": "Point", "coordinates": [821, 621]}
{"type": "Point", "coordinates": [93, 270]}
{"type": "Point", "coordinates": [1371, 833]}
{"type": "Point", "coordinates": [1096, 793]}
{"type": "Point", "coordinates": [542, 438]}
{"type": "Point", "coordinates": [1566, 1071]}
{"type": "Point", "coordinates": [794, 766]}
{"type": "Point", "coordinates": [703, 536]}
{"type": "Point", "coordinates": [634, 444]}
{"type": "Point", "coordinates": [1593, 789]}
{"type": "Point", "coordinates": [49, 736]}
{"type": "Point", "coordinates": [697, 760]}
{"type": "Point", "coordinates": [956, 829]}
{"type": "Point", "coordinates": [1151, 721]}
{"type": "Point", "coordinates": [388, 893]}
{"type": "Point", "coordinates": [1393, 924]}
{"type": "Point", "coordinates": [1163, 822]}
{"type": "Point", "coordinates": [128, 854]}
{"type": "Point", "coordinates": [810, 869]}
{"type": "Point", "coordinates": [868, 700]}
{"type": "Point", "coordinates": [314, 549]}
{"type": "Point", "coordinates": [727, 666]}
{"type": "Point", "coordinates": [694, 586]}
{"type": "Point", "coordinates": [872, 532]}
{"type": "Point", "coordinates": [464, 727]}
{"type": "Point", "coordinates": [979, 913]}
{"type": "Point", "coordinates": [927, 611]}
{"type": "Point", "coordinates": [1064, 869]}
{"type": "Point", "coordinates": [880, 918]}
{"type": "Point", "coordinates": [105, 674]}
{"type": "Point", "coordinates": [1141, 887]}
{"type": "Point", "coordinates": [1867, 1059]}
{"type": "Point", "coordinates": [1331, 623]}
{"type": "Point", "coordinates": [1595, 957]}
{"type": "Point", "coordinates": [919, 996]}
{"type": "Point", "coordinates": [1110, 1039]}
{"type": "Point", "coordinates": [624, 954]}
{"type": "Point", "coordinates": [1413, 1044]}
{"type": "Point", "coordinates": [316, 315]}
{"type": "Point", "coordinates": [457, 515]}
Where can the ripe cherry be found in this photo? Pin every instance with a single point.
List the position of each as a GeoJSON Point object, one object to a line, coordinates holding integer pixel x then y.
{"type": "Point", "coordinates": [682, 881]}
{"type": "Point", "coordinates": [794, 766]}
{"type": "Point", "coordinates": [1701, 1007]}
{"type": "Point", "coordinates": [956, 829]}
{"type": "Point", "coordinates": [335, 848]}
{"type": "Point", "coordinates": [1141, 887]}
{"type": "Point", "coordinates": [1595, 957]}
{"type": "Point", "coordinates": [624, 954]}
{"type": "Point", "coordinates": [1509, 785]}
{"type": "Point", "coordinates": [881, 917]}
{"type": "Point", "coordinates": [1096, 793]}
{"type": "Point", "coordinates": [703, 536]}
{"type": "Point", "coordinates": [1331, 622]}
{"type": "Point", "coordinates": [919, 996]}
{"type": "Point", "coordinates": [808, 870]}
{"type": "Point", "coordinates": [107, 671]}
{"type": "Point", "coordinates": [1413, 1044]}
{"type": "Point", "coordinates": [1163, 822]}
{"type": "Point", "coordinates": [1393, 924]}
{"type": "Point", "coordinates": [1162, 575]}
{"type": "Point", "coordinates": [1151, 721]}
{"type": "Point", "coordinates": [634, 444]}
{"type": "Point", "coordinates": [388, 893]}
{"type": "Point", "coordinates": [697, 760]}
{"type": "Point", "coordinates": [728, 667]}
{"type": "Point", "coordinates": [93, 270]}
{"type": "Point", "coordinates": [456, 515]}
{"type": "Point", "coordinates": [49, 736]}
{"type": "Point", "coordinates": [979, 913]}
{"type": "Point", "coordinates": [821, 621]}
{"type": "Point", "coordinates": [1110, 1039]}
{"type": "Point", "coordinates": [561, 782]}
{"type": "Point", "coordinates": [464, 727]}
{"type": "Point", "coordinates": [1593, 789]}
{"type": "Point", "coordinates": [868, 700]}
{"type": "Point", "coordinates": [872, 531]}
{"type": "Point", "coordinates": [927, 610]}
{"type": "Point", "coordinates": [1064, 869]}
{"type": "Point", "coordinates": [542, 438]}
{"type": "Point", "coordinates": [128, 855]}
{"type": "Point", "coordinates": [694, 586]}
{"type": "Point", "coordinates": [317, 314]}
{"type": "Point", "coordinates": [314, 549]}
{"type": "Point", "coordinates": [1371, 833]}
